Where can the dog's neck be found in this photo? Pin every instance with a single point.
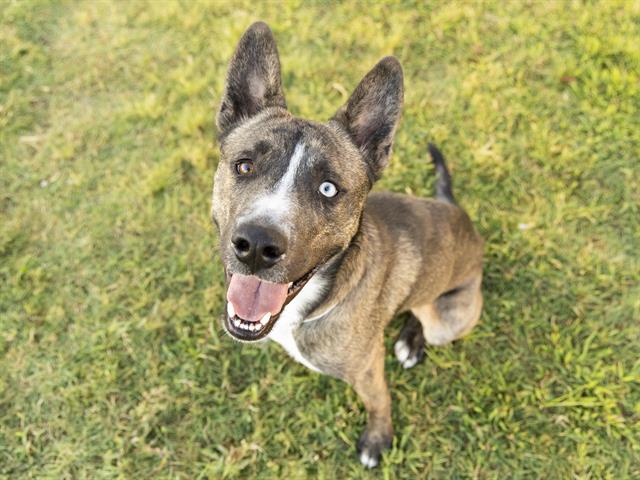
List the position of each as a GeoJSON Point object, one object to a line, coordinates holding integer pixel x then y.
{"type": "Point", "coordinates": [344, 271]}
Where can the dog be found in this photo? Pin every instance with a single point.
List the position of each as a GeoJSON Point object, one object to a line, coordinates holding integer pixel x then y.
{"type": "Point", "coordinates": [314, 261]}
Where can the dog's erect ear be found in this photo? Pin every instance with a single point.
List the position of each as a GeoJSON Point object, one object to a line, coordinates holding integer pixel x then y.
{"type": "Point", "coordinates": [371, 114]}
{"type": "Point", "coordinates": [253, 78]}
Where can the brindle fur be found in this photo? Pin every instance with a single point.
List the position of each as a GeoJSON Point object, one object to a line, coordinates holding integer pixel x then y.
{"type": "Point", "coordinates": [381, 254]}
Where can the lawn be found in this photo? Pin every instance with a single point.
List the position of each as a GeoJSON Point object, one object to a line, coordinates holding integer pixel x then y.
{"type": "Point", "coordinates": [113, 362]}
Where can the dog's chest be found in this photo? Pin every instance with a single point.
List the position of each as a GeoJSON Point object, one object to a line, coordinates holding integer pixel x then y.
{"type": "Point", "coordinates": [283, 334]}
{"type": "Point", "coordinates": [291, 318]}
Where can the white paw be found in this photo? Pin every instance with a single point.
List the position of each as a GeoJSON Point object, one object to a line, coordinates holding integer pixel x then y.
{"type": "Point", "coordinates": [368, 460]}
{"type": "Point", "coordinates": [410, 362]}
{"type": "Point", "coordinates": [402, 351]}
{"type": "Point", "coordinates": [403, 354]}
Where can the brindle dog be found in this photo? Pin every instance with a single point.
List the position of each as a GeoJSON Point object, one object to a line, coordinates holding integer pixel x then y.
{"type": "Point", "coordinates": [315, 262]}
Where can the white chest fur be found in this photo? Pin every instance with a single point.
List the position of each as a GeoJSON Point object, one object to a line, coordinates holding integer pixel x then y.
{"type": "Point", "coordinates": [291, 317]}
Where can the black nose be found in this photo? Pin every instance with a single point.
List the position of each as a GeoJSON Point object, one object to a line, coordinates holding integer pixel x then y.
{"type": "Point", "coordinates": [258, 247]}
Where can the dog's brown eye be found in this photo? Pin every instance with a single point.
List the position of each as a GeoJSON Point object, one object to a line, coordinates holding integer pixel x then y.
{"type": "Point", "coordinates": [244, 167]}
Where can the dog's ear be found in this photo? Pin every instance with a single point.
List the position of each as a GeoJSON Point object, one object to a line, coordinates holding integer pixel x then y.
{"type": "Point", "coordinates": [372, 112]}
{"type": "Point", "coordinates": [253, 78]}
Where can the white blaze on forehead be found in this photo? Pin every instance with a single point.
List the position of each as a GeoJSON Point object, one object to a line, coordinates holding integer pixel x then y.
{"type": "Point", "coordinates": [278, 203]}
{"type": "Point", "coordinates": [285, 184]}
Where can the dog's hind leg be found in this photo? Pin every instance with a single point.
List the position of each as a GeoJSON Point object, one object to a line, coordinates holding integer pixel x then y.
{"type": "Point", "coordinates": [409, 347]}
{"type": "Point", "coordinates": [453, 314]}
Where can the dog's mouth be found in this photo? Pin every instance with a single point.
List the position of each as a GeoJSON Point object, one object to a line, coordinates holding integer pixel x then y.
{"type": "Point", "coordinates": [254, 305]}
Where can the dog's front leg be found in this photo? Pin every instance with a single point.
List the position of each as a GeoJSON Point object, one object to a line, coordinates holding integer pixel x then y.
{"type": "Point", "coordinates": [372, 388]}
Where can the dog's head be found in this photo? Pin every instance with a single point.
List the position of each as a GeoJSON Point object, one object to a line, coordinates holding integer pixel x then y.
{"type": "Point", "coordinates": [289, 193]}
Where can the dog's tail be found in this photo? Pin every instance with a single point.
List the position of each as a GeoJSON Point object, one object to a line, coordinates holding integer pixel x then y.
{"type": "Point", "coordinates": [444, 191]}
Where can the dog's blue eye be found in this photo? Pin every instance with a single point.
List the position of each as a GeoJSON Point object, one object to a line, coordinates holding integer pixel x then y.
{"type": "Point", "coordinates": [328, 189]}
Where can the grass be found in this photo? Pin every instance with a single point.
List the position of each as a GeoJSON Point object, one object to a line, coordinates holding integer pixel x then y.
{"type": "Point", "coordinates": [112, 360]}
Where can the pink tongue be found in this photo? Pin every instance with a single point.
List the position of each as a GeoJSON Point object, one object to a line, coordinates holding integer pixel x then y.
{"type": "Point", "coordinates": [252, 298]}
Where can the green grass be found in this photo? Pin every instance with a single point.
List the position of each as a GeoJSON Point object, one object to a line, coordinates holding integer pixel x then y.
{"type": "Point", "coordinates": [112, 359]}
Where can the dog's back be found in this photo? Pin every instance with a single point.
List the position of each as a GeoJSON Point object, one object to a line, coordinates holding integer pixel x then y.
{"type": "Point", "coordinates": [434, 241]}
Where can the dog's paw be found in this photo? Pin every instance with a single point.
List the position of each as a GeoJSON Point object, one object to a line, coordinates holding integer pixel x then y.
{"type": "Point", "coordinates": [409, 353]}
{"type": "Point", "coordinates": [370, 448]}
{"type": "Point", "coordinates": [409, 348]}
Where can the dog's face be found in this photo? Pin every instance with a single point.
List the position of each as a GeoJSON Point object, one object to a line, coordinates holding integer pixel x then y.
{"type": "Point", "coordinates": [289, 193]}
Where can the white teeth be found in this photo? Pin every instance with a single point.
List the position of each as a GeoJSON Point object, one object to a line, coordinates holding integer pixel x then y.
{"type": "Point", "coordinates": [244, 324]}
